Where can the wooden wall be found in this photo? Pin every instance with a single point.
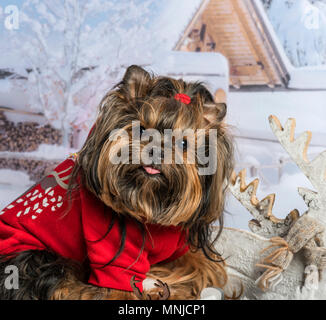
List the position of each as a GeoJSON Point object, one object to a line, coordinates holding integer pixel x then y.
{"type": "Point", "coordinates": [235, 29]}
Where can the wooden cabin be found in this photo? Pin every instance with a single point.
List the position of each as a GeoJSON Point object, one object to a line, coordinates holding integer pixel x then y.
{"type": "Point", "coordinates": [238, 30]}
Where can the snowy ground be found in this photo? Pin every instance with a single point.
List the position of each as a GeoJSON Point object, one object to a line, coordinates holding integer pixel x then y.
{"type": "Point", "coordinates": [12, 184]}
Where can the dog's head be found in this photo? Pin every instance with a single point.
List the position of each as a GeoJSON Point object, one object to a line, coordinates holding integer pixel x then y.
{"type": "Point", "coordinates": [156, 157]}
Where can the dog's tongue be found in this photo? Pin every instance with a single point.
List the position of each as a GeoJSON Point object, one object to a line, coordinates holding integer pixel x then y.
{"type": "Point", "coordinates": [151, 170]}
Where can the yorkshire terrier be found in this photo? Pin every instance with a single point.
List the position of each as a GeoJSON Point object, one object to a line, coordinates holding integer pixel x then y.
{"type": "Point", "coordinates": [130, 204]}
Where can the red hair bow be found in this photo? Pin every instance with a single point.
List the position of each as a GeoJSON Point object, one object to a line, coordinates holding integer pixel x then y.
{"type": "Point", "coordinates": [182, 98]}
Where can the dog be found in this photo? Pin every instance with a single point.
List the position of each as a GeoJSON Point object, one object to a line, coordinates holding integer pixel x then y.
{"type": "Point", "coordinates": [116, 212]}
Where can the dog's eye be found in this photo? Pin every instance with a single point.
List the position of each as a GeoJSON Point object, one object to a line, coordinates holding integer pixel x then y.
{"type": "Point", "coordinates": [183, 144]}
{"type": "Point", "coordinates": [141, 130]}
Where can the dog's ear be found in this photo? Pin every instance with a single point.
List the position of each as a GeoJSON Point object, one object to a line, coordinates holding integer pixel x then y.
{"type": "Point", "coordinates": [214, 113]}
{"type": "Point", "coordinates": [136, 82]}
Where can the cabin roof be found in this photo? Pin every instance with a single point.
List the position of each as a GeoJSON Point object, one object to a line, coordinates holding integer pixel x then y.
{"type": "Point", "coordinates": [238, 30]}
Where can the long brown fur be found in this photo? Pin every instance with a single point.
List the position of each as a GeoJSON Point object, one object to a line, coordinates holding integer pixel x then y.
{"type": "Point", "coordinates": [178, 196]}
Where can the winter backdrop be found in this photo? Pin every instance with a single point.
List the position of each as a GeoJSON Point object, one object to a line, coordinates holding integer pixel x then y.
{"type": "Point", "coordinates": [69, 53]}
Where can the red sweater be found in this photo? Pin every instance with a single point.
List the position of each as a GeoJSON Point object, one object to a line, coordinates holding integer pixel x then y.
{"type": "Point", "coordinates": [39, 220]}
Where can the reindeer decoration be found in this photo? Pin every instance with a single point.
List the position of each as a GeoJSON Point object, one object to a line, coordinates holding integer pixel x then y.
{"type": "Point", "coordinates": [295, 246]}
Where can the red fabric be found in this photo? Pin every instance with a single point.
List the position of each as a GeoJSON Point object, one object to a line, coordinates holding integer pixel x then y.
{"type": "Point", "coordinates": [182, 98]}
{"type": "Point", "coordinates": [41, 220]}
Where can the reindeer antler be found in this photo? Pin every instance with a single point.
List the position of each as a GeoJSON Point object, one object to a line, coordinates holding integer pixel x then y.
{"type": "Point", "coordinates": [264, 222]}
{"type": "Point", "coordinates": [314, 170]}
{"type": "Point", "coordinates": [164, 295]}
{"type": "Point", "coordinates": [165, 288]}
{"type": "Point", "coordinates": [294, 233]}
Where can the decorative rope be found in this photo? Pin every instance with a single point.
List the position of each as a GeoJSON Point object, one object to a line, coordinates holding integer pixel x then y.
{"type": "Point", "coordinates": [275, 263]}
{"type": "Point", "coordinates": [305, 234]}
{"type": "Point", "coordinates": [276, 241]}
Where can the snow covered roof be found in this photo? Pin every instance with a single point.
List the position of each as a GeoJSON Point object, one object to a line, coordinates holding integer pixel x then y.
{"type": "Point", "coordinates": [234, 28]}
{"type": "Point", "coordinates": [254, 51]}
{"type": "Point", "coordinates": [209, 67]}
{"type": "Point", "coordinates": [15, 115]}
{"type": "Point", "coordinates": [311, 78]}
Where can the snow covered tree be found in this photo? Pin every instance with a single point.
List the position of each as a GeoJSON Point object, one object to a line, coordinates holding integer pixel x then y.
{"type": "Point", "coordinates": [74, 51]}
{"type": "Point", "coordinates": [301, 28]}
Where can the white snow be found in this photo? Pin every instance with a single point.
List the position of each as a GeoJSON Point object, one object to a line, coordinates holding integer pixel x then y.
{"type": "Point", "coordinates": [308, 78]}
{"type": "Point", "coordinates": [58, 40]}
{"type": "Point", "coordinates": [5, 85]}
{"type": "Point", "coordinates": [172, 20]}
{"type": "Point", "coordinates": [12, 184]}
{"type": "Point", "coordinates": [271, 30]}
{"type": "Point", "coordinates": [8, 177]}
{"type": "Point", "coordinates": [248, 112]}
{"type": "Point", "coordinates": [210, 67]}
{"type": "Point", "coordinates": [298, 31]}
{"type": "Point", "coordinates": [301, 27]}
{"type": "Point", "coordinates": [21, 117]}
{"type": "Point", "coordinates": [45, 151]}
{"type": "Point", "coordinates": [14, 96]}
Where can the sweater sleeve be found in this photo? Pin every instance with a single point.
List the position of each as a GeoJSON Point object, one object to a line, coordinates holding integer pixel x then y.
{"type": "Point", "coordinates": [40, 219]}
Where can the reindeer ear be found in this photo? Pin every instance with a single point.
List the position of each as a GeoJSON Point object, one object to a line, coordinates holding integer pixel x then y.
{"type": "Point", "coordinates": [214, 113]}
{"type": "Point", "coordinates": [136, 82]}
